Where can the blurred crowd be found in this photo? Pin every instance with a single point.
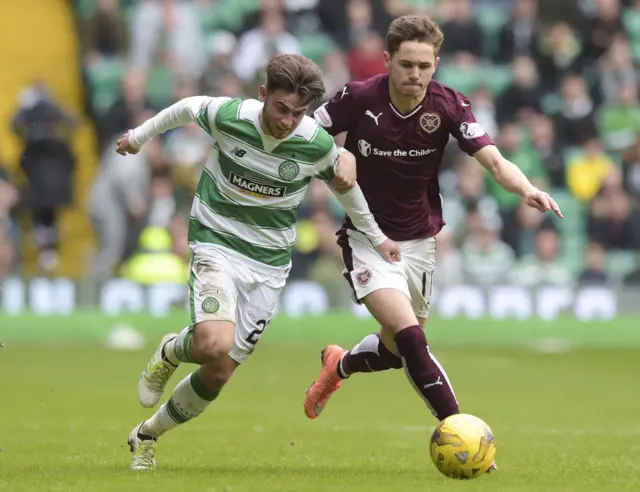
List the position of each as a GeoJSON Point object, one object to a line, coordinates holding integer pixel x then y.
{"type": "Point", "coordinates": [554, 83]}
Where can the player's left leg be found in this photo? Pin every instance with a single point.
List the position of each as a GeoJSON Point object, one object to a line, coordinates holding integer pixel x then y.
{"type": "Point", "coordinates": [210, 346]}
{"type": "Point", "coordinates": [378, 352]}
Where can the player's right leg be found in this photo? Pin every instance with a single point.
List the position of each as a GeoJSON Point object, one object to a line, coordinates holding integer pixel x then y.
{"type": "Point", "coordinates": [208, 342]}
{"type": "Point", "coordinates": [385, 290]}
{"type": "Point", "coordinates": [366, 271]}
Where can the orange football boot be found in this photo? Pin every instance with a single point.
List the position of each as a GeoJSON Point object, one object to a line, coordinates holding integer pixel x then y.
{"type": "Point", "coordinates": [327, 383]}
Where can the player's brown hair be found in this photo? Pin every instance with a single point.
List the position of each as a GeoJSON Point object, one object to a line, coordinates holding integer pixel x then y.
{"type": "Point", "coordinates": [295, 73]}
{"type": "Point", "coordinates": [413, 28]}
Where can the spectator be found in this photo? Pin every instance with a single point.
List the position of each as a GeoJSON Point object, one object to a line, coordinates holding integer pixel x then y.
{"type": "Point", "coordinates": [559, 56]}
{"type": "Point", "coordinates": [365, 59]}
{"type": "Point", "coordinates": [125, 110]}
{"type": "Point", "coordinates": [612, 220]}
{"type": "Point", "coordinates": [221, 48]}
{"type": "Point", "coordinates": [486, 260]}
{"type": "Point", "coordinates": [465, 40]}
{"type": "Point", "coordinates": [631, 170]}
{"type": "Point", "coordinates": [513, 148]}
{"type": "Point", "coordinates": [258, 45]}
{"type": "Point", "coordinates": [529, 222]}
{"type": "Point", "coordinates": [104, 34]}
{"type": "Point", "coordinates": [594, 272]}
{"type": "Point", "coordinates": [587, 170]}
{"type": "Point", "coordinates": [545, 143]}
{"type": "Point", "coordinates": [119, 204]}
{"type": "Point", "coordinates": [186, 151]}
{"type": "Point", "coordinates": [178, 21]}
{"type": "Point", "coordinates": [632, 279]}
{"type": "Point", "coordinates": [336, 73]}
{"type": "Point", "coordinates": [449, 261]}
{"type": "Point", "coordinates": [484, 110]}
{"type": "Point", "coordinates": [575, 121]}
{"type": "Point", "coordinates": [162, 203]}
{"type": "Point", "coordinates": [44, 129]}
{"type": "Point", "coordinates": [154, 262]}
{"type": "Point", "coordinates": [615, 69]}
{"type": "Point", "coordinates": [523, 98]}
{"type": "Point", "coordinates": [519, 36]}
{"type": "Point", "coordinates": [544, 268]}
{"type": "Point", "coordinates": [600, 31]}
{"type": "Point", "coordinates": [8, 199]}
{"type": "Point", "coordinates": [620, 121]}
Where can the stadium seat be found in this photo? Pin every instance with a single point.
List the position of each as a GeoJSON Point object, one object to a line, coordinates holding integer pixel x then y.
{"type": "Point", "coordinates": [105, 79]}
{"type": "Point", "coordinates": [631, 20]}
{"type": "Point", "coordinates": [572, 256]}
{"type": "Point", "coordinates": [86, 7]}
{"type": "Point", "coordinates": [316, 46]}
{"type": "Point", "coordinates": [467, 79]}
{"type": "Point", "coordinates": [464, 79]}
{"type": "Point", "coordinates": [160, 86]}
{"type": "Point", "coordinates": [226, 14]}
{"type": "Point", "coordinates": [573, 210]}
{"type": "Point", "coordinates": [619, 263]}
{"type": "Point", "coordinates": [491, 21]}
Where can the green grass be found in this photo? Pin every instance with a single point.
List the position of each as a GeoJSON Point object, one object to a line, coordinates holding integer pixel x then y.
{"type": "Point", "coordinates": [562, 422]}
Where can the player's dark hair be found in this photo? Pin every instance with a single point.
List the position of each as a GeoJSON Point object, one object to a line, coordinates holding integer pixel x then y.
{"type": "Point", "coordinates": [295, 73]}
{"type": "Point", "coordinates": [413, 28]}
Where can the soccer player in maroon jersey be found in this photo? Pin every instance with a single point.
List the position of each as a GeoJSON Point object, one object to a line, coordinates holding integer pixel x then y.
{"type": "Point", "coordinates": [398, 125]}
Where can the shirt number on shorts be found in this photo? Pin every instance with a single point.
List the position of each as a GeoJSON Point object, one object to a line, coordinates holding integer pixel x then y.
{"type": "Point", "coordinates": [251, 338]}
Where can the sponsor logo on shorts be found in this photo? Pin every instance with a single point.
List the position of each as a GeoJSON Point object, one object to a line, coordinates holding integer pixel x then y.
{"type": "Point", "coordinates": [430, 122]}
{"type": "Point", "coordinates": [364, 276]}
{"type": "Point", "coordinates": [288, 170]}
{"type": "Point", "coordinates": [210, 305]}
{"type": "Point", "coordinates": [254, 187]}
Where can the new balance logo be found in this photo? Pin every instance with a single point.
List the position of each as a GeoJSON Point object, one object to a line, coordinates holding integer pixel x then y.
{"type": "Point", "coordinates": [344, 92]}
{"type": "Point", "coordinates": [375, 118]}
{"type": "Point", "coordinates": [238, 152]}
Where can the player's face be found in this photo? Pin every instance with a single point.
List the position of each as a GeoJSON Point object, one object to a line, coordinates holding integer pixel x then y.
{"type": "Point", "coordinates": [411, 68]}
{"type": "Point", "coordinates": [282, 112]}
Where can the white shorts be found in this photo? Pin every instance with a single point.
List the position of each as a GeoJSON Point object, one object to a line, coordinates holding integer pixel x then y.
{"type": "Point", "coordinates": [222, 287]}
{"type": "Point", "coordinates": [367, 271]}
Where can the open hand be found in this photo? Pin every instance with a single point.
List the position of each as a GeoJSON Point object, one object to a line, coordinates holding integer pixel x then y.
{"type": "Point", "coordinates": [542, 201]}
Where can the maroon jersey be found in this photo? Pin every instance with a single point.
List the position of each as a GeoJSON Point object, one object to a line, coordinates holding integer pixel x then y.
{"type": "Point", "coordinates": [398, 155]}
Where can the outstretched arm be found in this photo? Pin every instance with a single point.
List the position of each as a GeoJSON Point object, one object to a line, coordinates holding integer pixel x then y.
{"type": "Point", "coordinates": [512, 179]}
{"type": "Point", "coordinates": [185, 111]}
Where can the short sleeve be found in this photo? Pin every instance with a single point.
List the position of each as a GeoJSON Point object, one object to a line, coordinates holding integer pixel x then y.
{"type": "Point", "coordinates": [468, 132]}
{"type": "Point", "coordinates": [336, 115]}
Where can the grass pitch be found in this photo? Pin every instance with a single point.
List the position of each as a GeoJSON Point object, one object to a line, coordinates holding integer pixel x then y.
{"type": "Point", "coordinates": [562, 422]}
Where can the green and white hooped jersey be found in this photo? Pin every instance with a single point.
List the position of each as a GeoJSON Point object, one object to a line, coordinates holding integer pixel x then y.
{"type": "Point", "coordinates": [251, 188]}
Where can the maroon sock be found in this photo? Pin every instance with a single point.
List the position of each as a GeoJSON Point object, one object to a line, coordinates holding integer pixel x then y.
{"type": "Point", "coordinates": [425, 372]}
{"type": "Point", "coordinates": [370, 355]}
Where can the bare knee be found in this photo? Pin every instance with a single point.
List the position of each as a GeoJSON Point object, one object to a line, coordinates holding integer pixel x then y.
{"type": "Point", "coordinates": [212, 341]}
{"type": "Point", "coordinates": [392, 309]}
{"type": "Point", "coordinates": [216, 374]}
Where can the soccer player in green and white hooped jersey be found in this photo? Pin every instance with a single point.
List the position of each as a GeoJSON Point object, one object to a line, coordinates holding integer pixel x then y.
{"type": "Point", "coordinates": [241, 232]}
